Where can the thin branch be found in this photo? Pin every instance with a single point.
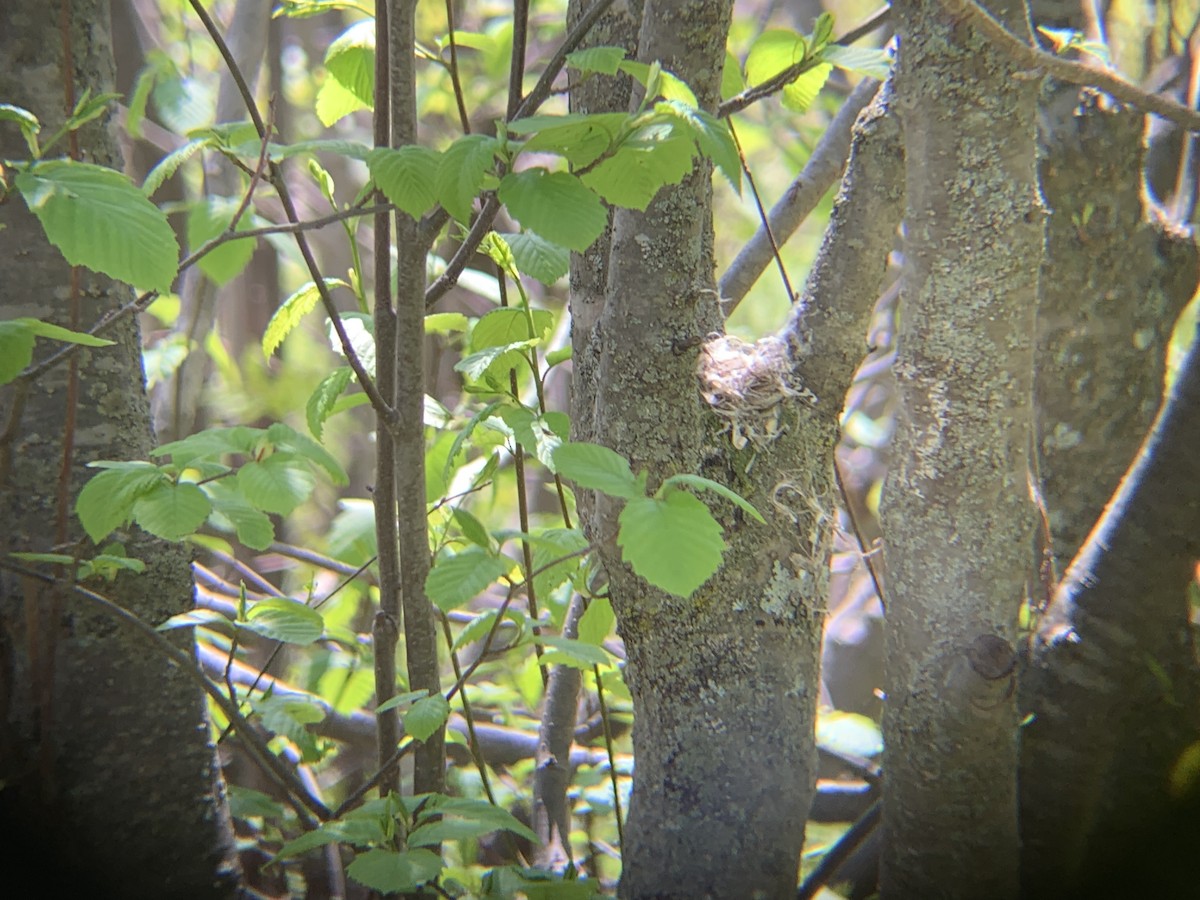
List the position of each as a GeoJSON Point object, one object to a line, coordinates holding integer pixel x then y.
{"type": "Point", "coordinates": [1042, 63]}
{"type": "Point", "coordinates": [269, 763]}
{"type": "Point", "coordinates": [799, 200]}
{"type": "Point", "coordinates": [384, 410]}
{"type": "Point", "coordinates": [850, 841]}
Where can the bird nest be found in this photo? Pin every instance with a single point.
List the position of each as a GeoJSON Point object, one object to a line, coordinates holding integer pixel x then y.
{"type": "Point", "coordinates": [748, 384]}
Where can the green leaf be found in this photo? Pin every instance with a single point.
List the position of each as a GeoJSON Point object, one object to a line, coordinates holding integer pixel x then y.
{"type": "Point", "coordinates": [106, 501]}
{"type": "Point", "coordinates": [555, 203]}
{"type": "Point", "coordinates": [285, 437]}
{"type": "Point", "coordinates": [537, 257]}
{"type": "Point", "coordinates": [773, 51]}
{"type": "Point", "coordinates": [822, 31]}
{"type": "Point", "coordinates": [501, 327]}
{"type": "Point", "coordinates": [98, 219]}
{"type": "Point", "coordinates": [278, 483]}
{"type": "Point", "coordinates": [480, 811]}
{"type": "Point", "coordinates": [861, 60]}
{"type": "Point", "coordinates": [171, 511]}
{"type": "Point", "coordinates": [552, 545]}
{"type": "Point", "coordinates": [320, 405]}
{"type": "Point", "coordinates": [392, 872]}
{"type": "Point", "coordinates": [707, 484]}
{"type": "Point", "coordinates": [209, 219]}
{"type": "Point", "coordinates": [535, 433]}
{"type": "Point", "coordinates": [292, 310]}
{"type": "Point", "coordinates": [426, 716]}
{"type": "Point", "coordinates": [169, 165]}
{"type": "Point", "coordinates": [406, 176]}
{"type": "Point", "coordinates": [310, 840]}
{"type": "Point", "coordinates": [287, 715]}
{"type": "Point", "coordinates": [597, 468]}
{"type": "Point", "coordinates": [197, 618]}
{"type": "Point", "coordinates": [460, 172]}
{"type": "Point", "coordinates": [578, 138]}
{"type": "Point", "coordinates": [477, 629]}
{"type": "Point", "coordinates": [633, 175]}
{"type": "Point", "coordinates": [800, 94]}
{"type": "Point", "coordinates": [669, 86]}
{"type": "Point", "coordinates": [472, 529]}
{"type": "Point", "coordinates": [575, 654]}
{"type": "Point", "coordinates": [212, 444]}
{"type": "Point", "coordinates": [454, 580]}
{"type": "Point", "coordinates": [26, 121]}
{"type": "Point", "coordinates": [605, 60]}
{"type": "Point", "coordinates": [673, 542]}
{"type": "Point", "coordinates": [16, 349]}
{"type": "Point", "coordinates": [232, 509]}
{"type": "Point", "coordinates": [597, 622]}
{"type": "Point", "coordinates": [284, 619]}
{"type": "Point", "coordinates": [350, 62]}
{"type": "Point", "coordinates": [16, 343]}
{"type": "Point", "coordinates": [712, 136]}
{"type": "Point", "coordinates": [400, 700]}
{"type": "Point", "coordinates": [494, 359]}
{"type": "Point", "coordinates": [732, 82]}
{"type": "Point", "coordinates": [445, 323]}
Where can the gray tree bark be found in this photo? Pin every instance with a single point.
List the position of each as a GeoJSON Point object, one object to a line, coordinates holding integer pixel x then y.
{"type": "Point", "coordinates": [105, 755]}
{"type": "Point", "coordinates": [956, 510]}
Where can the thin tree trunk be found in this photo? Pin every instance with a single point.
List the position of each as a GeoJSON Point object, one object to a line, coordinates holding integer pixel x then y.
{"type": "Point", "coordinates": [957, 513]}
{"type": "Point", "coordinates": [105, 756]}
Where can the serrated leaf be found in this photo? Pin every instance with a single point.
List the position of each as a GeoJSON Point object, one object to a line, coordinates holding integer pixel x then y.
{"type": "Point", "coordinates": [732, 82]}
{"type": "Point", "coordinates": [406, 176]}
{"type": "Point", "coordinates": [292, 310]}
{"type": "Point", "coordinates": [392, 872]}
{"type": "Point", "coordinates": [320, 405]}
{"type": "Point", "coordinates": [597, 621]}
{"type": "Point", "coordinates": [196, 618]}
{"type": "Point", "coordinates": [284, 619]}
{"type": "Point", "coordinates": [669, 86]}
{"type": "Point", "coordinates": [712, 136]}
{"type": "Point", "coordinates": [277, 484]}
{"type": "Point", "coordinates": [673, 542]}
{"type": "Point", "coordinates": [209, 219]}
{"type": "Point", "coordinates": [426, 717]}
{"type": "Point", "coordinates": [633, 175]}
{"type": "Point", "coordinates": [460, 172]}
{"type": "Point", "coordinates": [98, 219]}
{"type": "Point", "coordinates": [230, 507]}
{"type": "Point", "coordinates": [537, 257]}
{"type": "Point", "coordinates": [350, 62]}
{"type": "Point", "coordinates": [169, 165]}
{"type": "Point", "coordinates": [580, 139]}
{"type": "Point", "coordinates": [454, 580]}
{"type": "Point", "coordinates": [360, 330]}
{"type": "Point", "coordinates": [707, 484]}
{"type": "Point", "coordinates": [285, 437]}
{"type": "Point", "coordinates": [575, 654]}
{"type": "Point", "coordinates": [106, 502]}
{"type": "Point", "coordinates": [605, 60]}
{"type": "Point", "coordinates": [171, 511]}
{"type": "Point", "coordinates": [800, 94]}
{"type": "Point", "coordinates": [211, 443]}
{"type": "Point", "coordinates": [533, 432]}
{"type": "Point", "coordinates": [310, 840]}
{"type": "Point", "coordinates": [400, 700]}
{"type": "Point", "coordinates": [476, 365]}
{"type": "Point", "coordinates": [867, 61]}
{"type": "Point", "coordinates": [480, 811]}
{"type": "Point", "coordinates": [501, 327]}
{"type": "Point", "coordinates": [554, 203]}
{"type": "Point", "coordinates": [477, 629]}
{"type": "Point", "coordinates": [472, 529]}
{"type": "Point", "coordinates": [772, 52]}
{"type": "Point", "coordinates": [597, 468]}
{"type": "Point", "coordinates": [549, 547]}
{"type": "Point", "coordinates": [334, 102]}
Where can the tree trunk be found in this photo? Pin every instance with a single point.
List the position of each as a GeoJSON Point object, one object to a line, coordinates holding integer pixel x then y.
{"type": "Point", "coordinates": [956, 506]}
{"type": "Point", "coordinates": [105, 758]}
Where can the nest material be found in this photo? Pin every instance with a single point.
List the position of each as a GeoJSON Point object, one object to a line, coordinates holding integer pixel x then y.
{"type": "Point", "coordinates": [748, 385]}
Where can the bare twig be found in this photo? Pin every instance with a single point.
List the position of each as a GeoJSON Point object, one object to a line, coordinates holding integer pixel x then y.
{"type": "Point", "coordinates": [1040, 62]}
